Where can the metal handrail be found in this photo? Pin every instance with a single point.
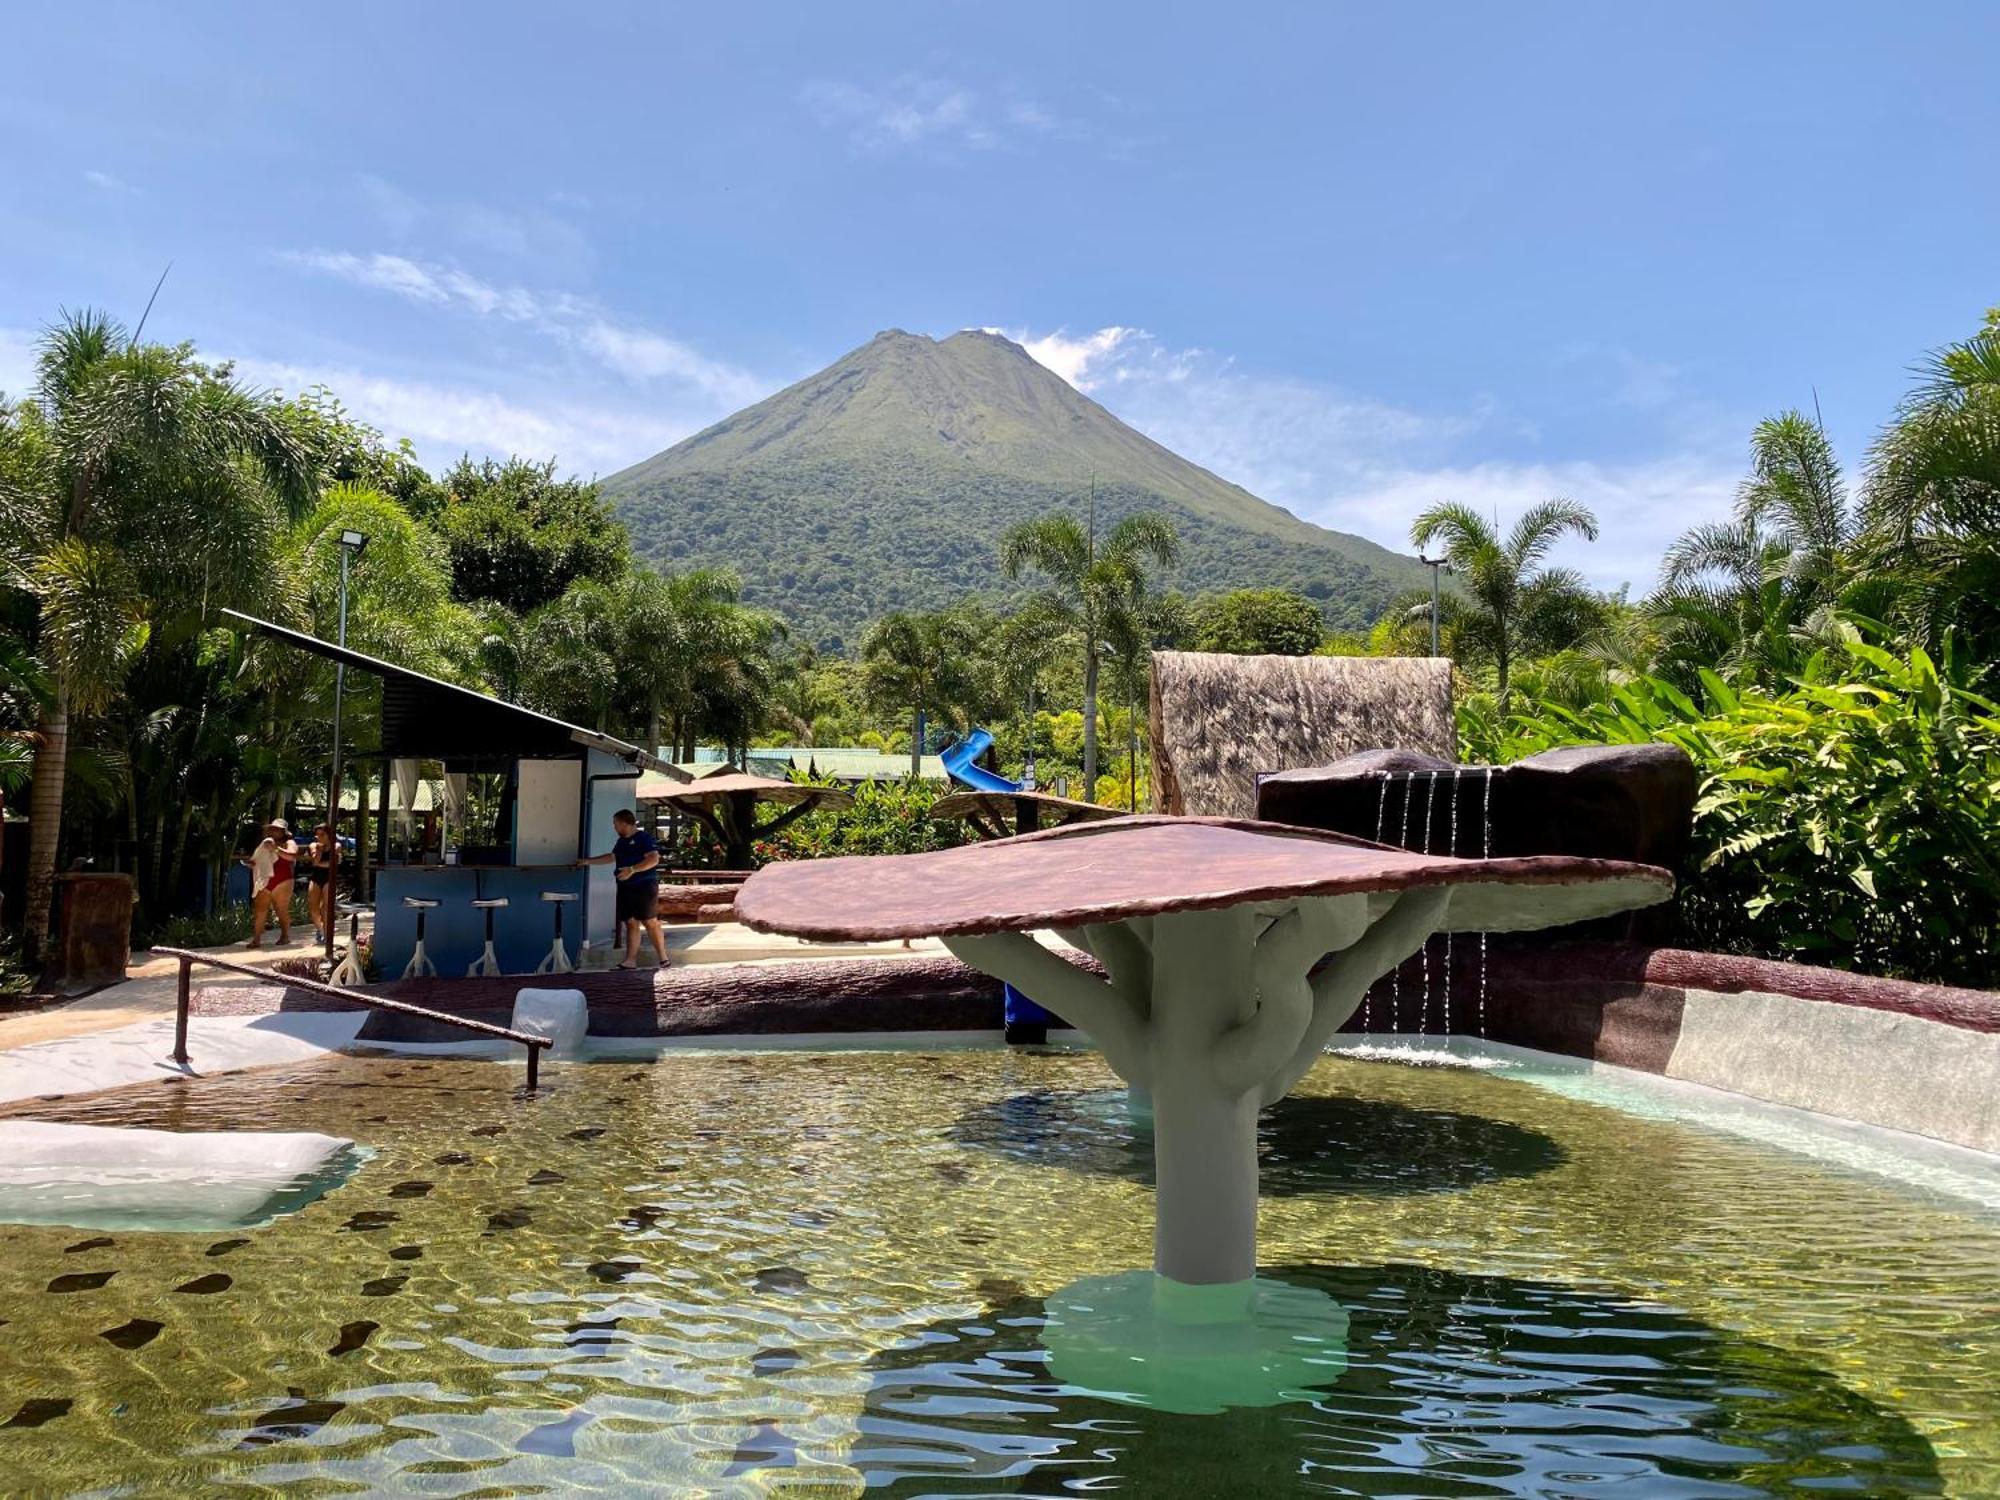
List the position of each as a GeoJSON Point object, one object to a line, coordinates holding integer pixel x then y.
{"type": "Point", "coordinates": [188, 959]}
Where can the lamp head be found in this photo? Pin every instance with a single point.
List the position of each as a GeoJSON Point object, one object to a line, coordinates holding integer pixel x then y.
{"type": "Point", "coordinates": [355, 542]}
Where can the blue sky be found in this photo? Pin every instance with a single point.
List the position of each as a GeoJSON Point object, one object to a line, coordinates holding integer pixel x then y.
{"type": "Point", "coordinates": [1355, 259]}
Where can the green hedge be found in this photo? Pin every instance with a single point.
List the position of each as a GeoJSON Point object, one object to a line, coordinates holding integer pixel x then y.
{"type": "Point", "coordinates": [1852, 819]}
{"type": "Point", "coordinates": [888, 817]}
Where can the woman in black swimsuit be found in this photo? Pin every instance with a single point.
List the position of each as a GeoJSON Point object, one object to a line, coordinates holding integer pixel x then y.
{"type": "Point", "coordinates": [319, 872]}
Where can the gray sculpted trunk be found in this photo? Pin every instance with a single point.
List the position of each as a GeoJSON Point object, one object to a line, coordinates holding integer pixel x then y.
{"type": "Point", "coordinates": [1231, 954]}
{"type": "Point", "coordinates": [1212, 1015]}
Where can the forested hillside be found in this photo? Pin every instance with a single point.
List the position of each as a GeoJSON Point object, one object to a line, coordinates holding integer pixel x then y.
{"type": "Point", "coordinates": [884, 482]}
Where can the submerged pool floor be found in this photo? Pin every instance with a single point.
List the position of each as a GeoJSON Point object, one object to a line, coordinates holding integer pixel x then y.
{"type": "Point", "coordinates": [821, 1274]}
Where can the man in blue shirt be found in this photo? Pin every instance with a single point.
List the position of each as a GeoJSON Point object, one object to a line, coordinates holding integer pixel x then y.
{"type": "Point", "coordinates": [635, 861]}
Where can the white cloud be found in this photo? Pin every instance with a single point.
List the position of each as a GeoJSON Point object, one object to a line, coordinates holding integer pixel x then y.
{"type": "Point", "coordinates": [1354, 463]}
{"type": "Point", "coordinates": [421, 282]}
{"type": "Point", "coordinates": [1075, 359]}
{"type": "Point", "coordinates": [1640, 505]}
{"type": "Point", "coordinates": [640, 355]}
{"type": "Point", "coordinates": [914, 111]}
{"type": "Point", "coordinates": [446, 420]}
{"type": "Point", "coordinates": [105, 182]}
{"type": "Point", "coordinates": [636, 354]}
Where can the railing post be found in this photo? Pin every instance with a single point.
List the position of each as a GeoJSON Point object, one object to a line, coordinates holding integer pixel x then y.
{"type": "Point", "coordinates": [534, 1067]}
{"type": "Point", "coordinates": [181, 1014]}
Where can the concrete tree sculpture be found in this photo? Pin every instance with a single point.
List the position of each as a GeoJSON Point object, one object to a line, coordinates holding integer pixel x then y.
{"type": "Point", "coordinates": [1231, 953]}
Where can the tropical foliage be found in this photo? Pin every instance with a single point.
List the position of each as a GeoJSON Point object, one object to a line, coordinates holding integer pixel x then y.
{"type": "Point", "coordinates": [1097, 588]}
{"type": "Point", "coordinates": [1847, 818]}
{"type": "Point", "coordinates": [1825, 652]}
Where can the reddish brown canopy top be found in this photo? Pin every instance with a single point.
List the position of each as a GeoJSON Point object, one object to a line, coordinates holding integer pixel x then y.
{"type": "Point", "coordinates": [1002, 804]}
{"type": "Point", "coordinates": [1143, 866]}
{"type": "Point", "coordinates": [764, 788]}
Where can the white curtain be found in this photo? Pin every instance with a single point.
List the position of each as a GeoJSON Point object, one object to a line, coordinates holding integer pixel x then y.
{"type": "Point", "coordinates": [405, 772]}
{"type": "Point", "coordinates": [454, 807]}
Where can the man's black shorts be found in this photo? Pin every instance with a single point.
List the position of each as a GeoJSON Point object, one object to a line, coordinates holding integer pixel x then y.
{"type": "Point", "coordinates": [636, 899]}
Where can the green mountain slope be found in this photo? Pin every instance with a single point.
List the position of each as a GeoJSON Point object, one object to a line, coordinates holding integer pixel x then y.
{"type": "Point", "coordinates": [885, 480]}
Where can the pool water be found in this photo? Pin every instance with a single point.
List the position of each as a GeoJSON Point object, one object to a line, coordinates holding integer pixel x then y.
{"type": "Point", "coordinates": [822, 1274]}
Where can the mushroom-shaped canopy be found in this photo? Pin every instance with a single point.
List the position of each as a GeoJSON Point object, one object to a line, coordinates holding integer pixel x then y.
{"type": "Point", "coordinates": [992, 813]}
{"type": "Point", "coordinates": [708, 789]}
{"type": "Point", "coordinates": [1149, 865]}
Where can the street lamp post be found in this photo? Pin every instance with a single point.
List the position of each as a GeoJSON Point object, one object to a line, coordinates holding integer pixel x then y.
{"type": "Point", "coordinates": [1437, 565]}
{"type": "Point", "coordinates": [352, 545]}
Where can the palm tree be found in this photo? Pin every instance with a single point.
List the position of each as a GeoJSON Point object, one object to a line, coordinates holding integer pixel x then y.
{"type": "Point", "coordinates": [1755, 595]}
{"type": "Point", "coordinates": [142, 487]}
{"type": "Point", "coordinates": [925, 663]}
{"type": "Point", "coordinates": [1097, 587]}
{"type": "Point", "coordinates": [1932, 504]}
{"type": "Point", "coordinates": [1510, 606]}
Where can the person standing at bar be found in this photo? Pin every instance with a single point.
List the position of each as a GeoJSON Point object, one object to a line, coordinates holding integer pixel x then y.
{"type": "Point", "coordinates": [635, 861]}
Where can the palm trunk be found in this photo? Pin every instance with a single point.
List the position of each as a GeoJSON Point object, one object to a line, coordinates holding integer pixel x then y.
{"type": "Point", "coordinates": [917, 746]}
{"type": "Point", "coordinates": [1090, 721]}
{"type": "Point", "coordinates": [176, 871]}
{"type": "Point", "coordinates": [45, 803]}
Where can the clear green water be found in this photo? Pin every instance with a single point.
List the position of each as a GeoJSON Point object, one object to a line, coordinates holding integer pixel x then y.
{"type": "Point", "coordinates": [811, 1274]}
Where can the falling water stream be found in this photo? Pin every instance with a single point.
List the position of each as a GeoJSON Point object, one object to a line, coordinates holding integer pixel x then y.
{"type": "Point", "coordinates": [1423, 844]}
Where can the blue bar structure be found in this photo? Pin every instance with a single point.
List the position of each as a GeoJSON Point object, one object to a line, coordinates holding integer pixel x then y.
{"type": "Point", "coordinates": [567, 782]}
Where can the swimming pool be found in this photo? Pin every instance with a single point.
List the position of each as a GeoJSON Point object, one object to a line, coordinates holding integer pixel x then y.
{"type": "Point", "coordinates": [822, 1273]}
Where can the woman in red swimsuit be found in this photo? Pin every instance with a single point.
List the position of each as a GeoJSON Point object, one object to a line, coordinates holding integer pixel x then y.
{"type": "Point", "coordinates": [272, 865]}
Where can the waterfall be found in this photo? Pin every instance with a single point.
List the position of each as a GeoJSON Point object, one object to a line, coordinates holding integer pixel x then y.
{"type": "Point", "coordinates": [1396, 974]}
{"type": "Point", "coordinates": [1451, 849]}
{"type": "Point", "coordinates": [1424, 953]}
{"type": "Point", "coordinates": [1485, 852]}
{"type": "Point", "coordinates": [1381, 812]}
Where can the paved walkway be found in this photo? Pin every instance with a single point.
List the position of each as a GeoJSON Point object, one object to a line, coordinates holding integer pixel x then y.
{"type": "Point", "coordinates": [149, 988]}
{"type": "Point", "coordinates": [123, 1033]}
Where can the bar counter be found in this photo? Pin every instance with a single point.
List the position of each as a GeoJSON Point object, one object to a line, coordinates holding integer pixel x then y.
{"type": "Point", "coordinates": [455, 930]}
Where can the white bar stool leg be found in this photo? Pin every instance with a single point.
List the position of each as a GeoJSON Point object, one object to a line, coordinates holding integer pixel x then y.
{"type": "Point", "coordinates": [420, 965]}
{"type": "Point", "coordinates": [488, 963]}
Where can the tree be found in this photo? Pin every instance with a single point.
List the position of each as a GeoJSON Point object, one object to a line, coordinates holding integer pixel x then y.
{"type": "Point", "coordinates": [1257, 622]}
{"type": "Point", "coordinates": [1932, 499]}
{"type": "Point", "coordinates": [1755, 595]}
{"type": "Point", "coordinates": [1509, 605]}
{"type": "Point", "coordinates": [142, 487]}
{"type": "Point", "coordinates": [1098, 587]}
{"type": "Point", "coordinates": [520, 537]}
{"type": "Point", "coordinates": [662, 657]}
{"type": "Point", "coordinates": [926, 664]}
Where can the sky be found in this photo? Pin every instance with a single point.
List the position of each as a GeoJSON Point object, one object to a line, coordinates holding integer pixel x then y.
{"type": "Point", "coordinates": [1357, 259]}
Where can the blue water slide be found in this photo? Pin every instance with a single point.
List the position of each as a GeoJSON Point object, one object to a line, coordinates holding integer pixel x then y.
{"type": "Point", "coordinates": [959, 764]}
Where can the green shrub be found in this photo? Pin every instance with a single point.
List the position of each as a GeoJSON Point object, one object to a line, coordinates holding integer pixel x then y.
{"type": "Point", "coordinates": [1851, 820]}
{"type": "Point", "coordinates": [888, 817]}
{"type": "Point", "coordinates": [217, 929]}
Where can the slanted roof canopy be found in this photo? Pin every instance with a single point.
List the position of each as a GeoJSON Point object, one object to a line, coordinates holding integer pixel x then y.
{"type": "Point", "coordinates": [430, 719]}
{"type": "Point", "coordinates": [1148, 866]}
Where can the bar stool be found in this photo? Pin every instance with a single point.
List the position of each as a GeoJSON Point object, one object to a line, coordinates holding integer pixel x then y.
{"type": "Point", "coordinates": [489, 961]}
{"type": "Point", "coordinates": [420, 965]}
{"type": "Point", "coordinates": [557, 961]}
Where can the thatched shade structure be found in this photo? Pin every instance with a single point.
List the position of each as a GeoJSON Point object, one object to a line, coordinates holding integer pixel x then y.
{"type": "Point", "coordinates": [999, 815]}
{"type": "Point", "coordinates": [1218, 722]}
{"type": "Point", "coordinates": [726, 804]}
